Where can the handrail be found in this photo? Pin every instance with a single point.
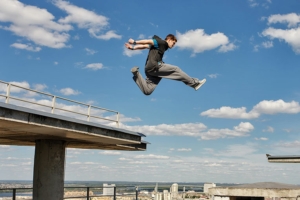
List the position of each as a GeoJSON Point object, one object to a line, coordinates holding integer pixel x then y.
{"type": "Point", "coordinates": [87, 189]}
{"type": "Point", "coordinates": [54, 106]}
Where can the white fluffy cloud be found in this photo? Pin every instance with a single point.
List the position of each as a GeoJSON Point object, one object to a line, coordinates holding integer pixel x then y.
{"type": "Point", "coordinates": [198, 41]}
{"type": "Point", "coordinates": [184, 149]}
{"type": "Point", "coordinates": [94, 66]}
{"type": "Point", "coordinates": [13, 89]}
{"type": "Point", "coordinates": [213, 75]}
{"type": "Point", "coordinates": [69, 91]}
{"type": "Point", "coordinates": [291, 19]}
{"type": "Point", "coordinates": [39, 87]}
{"type": "Point", "coordinates": [262, 138]}
{"type": "Point", "coordinates": [197, 130]}
{"type": "Point", "coordinates": [273, 107]}
{"type": "Point", "coordinates": [189, 129]}
{"type": "Point", "coordinates": [28, 47]}
{"type": "Point", "coordinates": [267, 44]}
{"type": "Point", "coordinates": [34, 24]}
{"type": "Point", "coordinates": [112, 153]}
{"type": "Point", "coordinates": [238, 150]}
{"type": "Point", "coordinates": [86, 19]}
{"type": "Point", "coordinates": [269, 129]}
{"type": "Point", "coordinates": [151, 156]}
{"type": "Point", "coordinates": [39, 26]}
{"type": "Point", "coordinates": [256, 3]}
{"type": "Point", "coordinates": [130, 53]}
{"type": "Point", "coordinates": [228, 112]}
{"type": "Point", "coordinates": [241, 130]}
{"type": "Point", "coordinates": [290, 35]}
{"type": "Point", "coordinates": [264, 107]}
{"type": "Point", "coordinates": [294, 144]}
{"type": "Point", "coordinates": [90, 51]}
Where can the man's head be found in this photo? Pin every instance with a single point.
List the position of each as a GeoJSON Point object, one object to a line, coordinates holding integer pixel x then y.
{"type": "Point", "coordinates": [171, 40]}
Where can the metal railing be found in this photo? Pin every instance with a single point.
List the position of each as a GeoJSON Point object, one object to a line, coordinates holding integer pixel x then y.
{"type": "Point", "coordinates": [87, 190]}
{"type": "Point", "coordinates": [53, 106]}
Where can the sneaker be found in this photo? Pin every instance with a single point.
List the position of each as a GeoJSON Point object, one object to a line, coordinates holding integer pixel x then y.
{"type": "Point", "coordinates": [134, 70]}
{"type": "Point", "coordinates": [199, 84]}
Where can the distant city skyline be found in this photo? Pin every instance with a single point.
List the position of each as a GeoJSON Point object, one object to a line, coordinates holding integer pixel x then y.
{"type": "Point", "coordinates": [249, 107]}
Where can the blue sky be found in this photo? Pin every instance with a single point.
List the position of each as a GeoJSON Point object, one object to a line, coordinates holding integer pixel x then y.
{"type": "Point", "coordinates": [247, 50]}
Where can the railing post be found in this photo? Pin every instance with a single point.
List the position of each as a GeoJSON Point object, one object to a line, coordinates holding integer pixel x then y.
{"type": "Point", "coordinates": [118, 119]}
{"type": "Point", "coordinates": [89, 113]}
{"type": "Point", "coordinates": [53, 104]}
{"type": "Point", "coordinates": [14, 194]}
{"type": "Point", "coordinates": [87, 193]}
{"type": "Point", "coordinates": [8, 93]}
{"type": "Point", "coordinates": [136, 193]}
{"type": "Point", "coordinates": [115, 192]}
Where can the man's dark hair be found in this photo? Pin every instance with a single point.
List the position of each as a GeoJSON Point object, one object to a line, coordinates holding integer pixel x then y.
{"type": "Point", "coordinates": [172, 37]}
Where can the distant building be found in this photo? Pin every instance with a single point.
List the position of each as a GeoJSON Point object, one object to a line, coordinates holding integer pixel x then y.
{"type": "Point", "coordinates": [155, 188]}
{"type": "Point", "coordinates": [108, 189]}
{"type": "Point", "coordinates": [144, 192]}
{"type": "Point", "coordinates": [158, 196]}
{"type": "Point", "coordinates": [256, 191]}
{"type": "Point", "coordinates": [174, 191]}
{"type": "Point", "coordinates": [207, 186]}
{"type": "Point", "coordinates": [166, 195]}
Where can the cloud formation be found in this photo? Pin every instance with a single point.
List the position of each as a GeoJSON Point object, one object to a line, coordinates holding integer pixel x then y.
{"type": "Point", "coordinates": [291, 35]}
{"type": "Point", "coordinates": [39, 26]}
{"type": "Point", "coordinates": [90, 51]}
{"type": "Point", "coordinates": [69, 91]}
{"type": "Point", "coordinates": [86, 19]}
{"type": "Point", "coordinates": [198, 41]}
{"type": "Point", "coordinates": [28, 47]}
{"type": "Point", "coordinates": [130, 53]}
{"type": "Point", "coordinates": [94, 66]}
{"type": "Point", "coordinates": [291, 19]}
{"type": "Point", "coordinates": [112, 153]}
{"type": "Point", "coordinates": [269, 129]}
{"type": "Point", "coordinates": [264, 107]}
{"type": "Point", "coordinates": [34, 24]}
{"type": "Point", "coordinates": [197, 130]}
{"type": "Point", "coordinates": [151, 156]}
{"type": "Point", "coordinates": [241, 130]}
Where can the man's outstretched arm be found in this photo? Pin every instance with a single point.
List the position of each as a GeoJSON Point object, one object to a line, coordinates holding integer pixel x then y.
{"type": "Point", "coordinates": [139, 44]}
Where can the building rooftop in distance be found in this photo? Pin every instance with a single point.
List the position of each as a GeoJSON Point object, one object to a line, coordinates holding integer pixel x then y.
{"type": "Point", "coordinates": [261, 189]}
{"type": "Point", "coordinates": [267, 185]}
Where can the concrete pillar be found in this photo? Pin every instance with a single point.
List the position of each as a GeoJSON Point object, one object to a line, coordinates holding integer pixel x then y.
{"type": "Point", "coordinates": [49, 170]}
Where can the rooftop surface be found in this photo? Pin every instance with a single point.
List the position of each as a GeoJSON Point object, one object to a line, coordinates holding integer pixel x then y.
{"type": "Point", "coordinates": [261, 189]}
{"type": "Point", "coordinates": [268, 185]}
{"type": "Point", "coordinates": [284, 158]}
{"type": "Point", "coordinates": [23, 126]}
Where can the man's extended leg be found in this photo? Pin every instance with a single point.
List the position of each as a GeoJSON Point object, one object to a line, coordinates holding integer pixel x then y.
{"type": "Point", "coordinates": [146, 86]}
{"type": "Point", "coordinates": [175, 73]}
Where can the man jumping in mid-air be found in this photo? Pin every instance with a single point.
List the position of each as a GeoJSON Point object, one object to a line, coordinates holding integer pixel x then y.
{"type": "Point", "coordinates": [155, 68]}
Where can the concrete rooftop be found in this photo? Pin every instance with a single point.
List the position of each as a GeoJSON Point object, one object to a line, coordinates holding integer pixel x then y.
{"type": "Point", "coordinates": [261, 189]}
{"type": "Point", "coordinates": [284, 159]}
{"type": "Point", "coordinates": [23, 126]}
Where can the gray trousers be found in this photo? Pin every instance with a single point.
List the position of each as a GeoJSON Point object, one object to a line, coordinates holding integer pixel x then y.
{"type": "Point", "coordinates": [168, 71]}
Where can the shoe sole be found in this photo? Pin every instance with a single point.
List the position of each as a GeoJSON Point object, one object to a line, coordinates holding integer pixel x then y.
{"type": "Point", "coordinates": [199, 86]}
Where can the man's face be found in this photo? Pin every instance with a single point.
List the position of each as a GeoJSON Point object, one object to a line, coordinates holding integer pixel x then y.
{"type": "Point", "coordinates": [171, 43]}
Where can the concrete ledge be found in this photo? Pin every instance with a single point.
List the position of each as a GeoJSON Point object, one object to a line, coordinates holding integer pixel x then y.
{"type": "Point", "coordinates": [23, 126]}
{"type": "Point", "coordinates": [264, 189]}
{"type": "Point", "coordinates": [283, 159]}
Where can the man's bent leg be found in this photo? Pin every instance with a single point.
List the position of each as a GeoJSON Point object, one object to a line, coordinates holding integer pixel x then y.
{"type": "Point", "coordinates": [146, 86]}
{"type": "Point", "coordinates": [174, 73]}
